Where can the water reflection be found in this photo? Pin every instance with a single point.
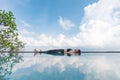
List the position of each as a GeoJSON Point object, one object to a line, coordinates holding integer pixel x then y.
{"type": "Point", "coordinates": [7, 62]}
{"type": "Point", "coordinates": [68, 68]}
{"type": "Point", "coordinates": [48, 67]}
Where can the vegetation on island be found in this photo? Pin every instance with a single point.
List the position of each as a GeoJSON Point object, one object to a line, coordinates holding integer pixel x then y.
{"type": "Point", "coordinates": [9, 41]}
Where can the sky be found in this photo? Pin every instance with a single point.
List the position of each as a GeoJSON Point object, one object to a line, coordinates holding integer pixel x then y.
{"type": "Point", "coordinates": [67, 23]}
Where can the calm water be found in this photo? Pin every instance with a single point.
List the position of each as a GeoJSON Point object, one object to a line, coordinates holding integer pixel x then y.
{"type": "Point", "coordinates": [105, 67]}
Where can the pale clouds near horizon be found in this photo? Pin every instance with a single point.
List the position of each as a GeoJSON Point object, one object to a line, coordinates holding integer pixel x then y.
{"type": "Point", "coordinates": [99, 28]}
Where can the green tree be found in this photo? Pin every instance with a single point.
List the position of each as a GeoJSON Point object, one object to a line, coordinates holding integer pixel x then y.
{"type": "Point", "coordinates": [8, 42]}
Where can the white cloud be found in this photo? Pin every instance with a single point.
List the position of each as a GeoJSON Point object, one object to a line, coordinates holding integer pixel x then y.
{"type": "Point", "coordinates": [65, 23]}
{"type": "Point", "coordinates": [100, 28]}
{"type": "Point", "coordinates": [25, 24]}
{"type": "Point", "coordinates": [26, 32]}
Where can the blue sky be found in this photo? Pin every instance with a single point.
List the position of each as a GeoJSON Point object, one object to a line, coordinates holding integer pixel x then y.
{"type": "Point", "coordinates": [67, 23]}
{"type": "Point", "coordinates": [64, 24]}
{"type": "Point", "coordinates": [43, 15]}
